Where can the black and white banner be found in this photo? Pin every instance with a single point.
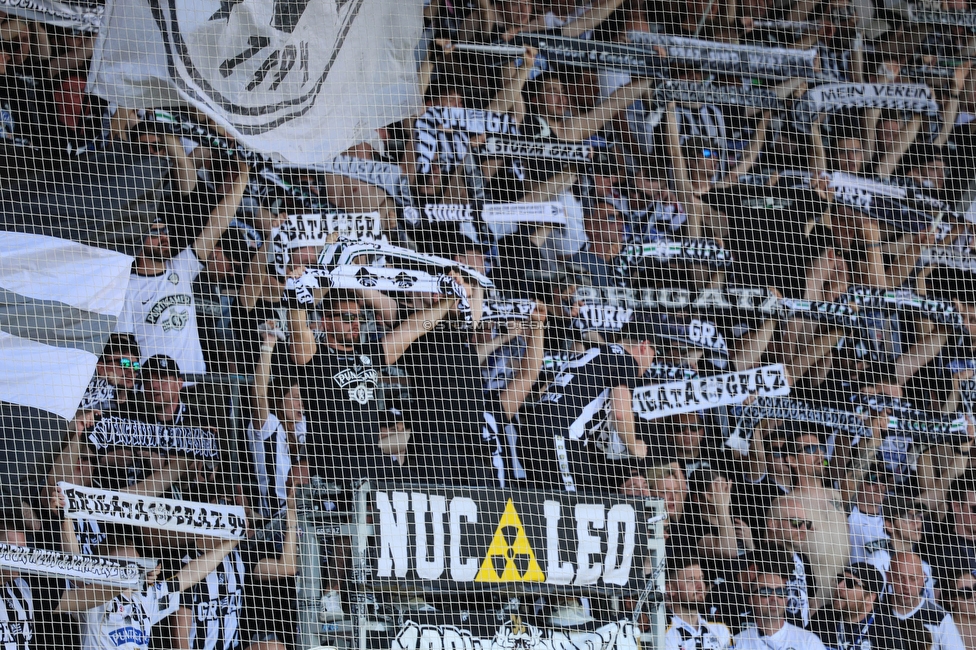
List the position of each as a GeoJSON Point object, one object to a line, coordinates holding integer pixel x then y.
{"type": "Point", "coordinates": [303, 81]}
{"type": "Point", "coordinates": [917, 98]}
{"type": "Point", "coordinates": [458, 538]}
{"type": "Point", "coordinates": [593, 317]}
{"type": "Point", "coordinates": [84, 568]}
{"type": "Point", "coordinates": [496, 309]}
{"type": "Point", "coordinates": [702, 251]}
{"type": "Point", "coordinates": [590, 53]}
{"type": "Point", "coordinates": [784, 408]}
{"type": "Point", "coordinates": [673, 398]}
{"type": "Point", "coordinates": [953, 258]}
{"type": "Point", "coordinates": [525, 148]}
{"type": "Point", "coordinates": [541, 212]}
{"type": "Point", "coordinates": [387, 176]}
{"type": "Point", "coordinates": [666, 372]}
{"type": "Point", "coordinates": [111, 432]}
{"type": "Point", "coordinates": [226, 522]}
{"type": "Point", "coordinates": [706, 92]}
{"type": "Point", "coordinates": [313, 230]}
{"type": "Point", "coordinates": [935, 310]}
{"type": "Point", "coordinates": [940, 17]}
{"type": "Point", "coordinates": [347, 252]}
{"type": "Point", "coordinates": [87, 19]}
{"type": "Point", "coordinates": [753, 60]}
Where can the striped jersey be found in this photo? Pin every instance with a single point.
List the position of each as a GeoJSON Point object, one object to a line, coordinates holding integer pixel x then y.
{"type": "Point", "coordinates": [216, 603]}
{"type": "Point", "coordinates": [16, 615]}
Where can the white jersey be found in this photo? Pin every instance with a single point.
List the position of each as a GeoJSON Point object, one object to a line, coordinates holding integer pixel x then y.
{"type": "Point", "coordinates": [930, 624]}
{"type": "Point", "coordinates": [681, 635]}
{"type": "Point", "coordinates": [789, 637]}
{"type": "Point", "coordinates": [16, 615]}
{"type": "Point", "coordinates": [161, 312]}
{"type": "Point", "coordinates": [867, 536]}
{"type": "Point", "coordinates": [125, 622]}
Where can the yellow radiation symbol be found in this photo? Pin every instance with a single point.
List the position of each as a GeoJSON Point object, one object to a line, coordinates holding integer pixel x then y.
{"type": "Point", "coordinates": [510, 557]}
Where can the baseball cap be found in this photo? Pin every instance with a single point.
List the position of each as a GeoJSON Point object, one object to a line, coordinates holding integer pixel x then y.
{"type": "Point", "coordinates": [869, 576]}
{"type": "Point", "coordinates": [160, 364]}
{"type": "Point", "coordinates": [896, 506]}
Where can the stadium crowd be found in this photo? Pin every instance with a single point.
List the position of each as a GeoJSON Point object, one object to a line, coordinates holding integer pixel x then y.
{"type": "Point", "coordinates": [714, 221]}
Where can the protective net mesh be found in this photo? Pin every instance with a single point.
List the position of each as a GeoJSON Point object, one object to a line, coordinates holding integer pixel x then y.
{"type": "Point", "coordinates": [487, 325]}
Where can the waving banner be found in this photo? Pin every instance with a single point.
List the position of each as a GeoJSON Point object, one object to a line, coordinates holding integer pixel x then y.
{"type": "Point", "coordinates": [917, 98]}
{"type": "Point", "coordinates": [313, 230]}
{"type": "Point", "coordinates": [705, 92]}
{"type": "Point", "coordinates": [114, 431]}
{"type": "Point", "coordinates": [300, 80]}
{"type": "Point", "coordinates": [590, 53]}
{"type": "Point", "coordinates": [227, 522]}
{"type": "Point", "coordinates": [676, 397]}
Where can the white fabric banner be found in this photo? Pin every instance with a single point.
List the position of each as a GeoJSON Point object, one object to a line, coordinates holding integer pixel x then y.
{"type": "Point", "coordinates": [59, 301]}
{"type": "Point", "coordinates": [676, 397]}
{"type": "Point", "coordinates": [313, 230]}
{"type": "Point", "coordinates": [98, 570]}
{"type": "Point", "coordinates": [227, 522]}
{"type": "Point", "coordinates": [301, 80]}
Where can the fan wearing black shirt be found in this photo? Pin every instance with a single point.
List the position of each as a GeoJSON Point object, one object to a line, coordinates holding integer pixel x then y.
{"type": "Point", "coordinates": [341, 379]}
{"type": "Point", "coordinates": [580, 432]}
{"type": "Point", "coordinates": [856, 620]}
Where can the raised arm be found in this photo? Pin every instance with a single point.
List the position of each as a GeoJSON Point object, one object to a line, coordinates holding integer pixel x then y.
{"type": "Point", "coordinates": [412, 328]}
{"type": "Point", "coordinates": [529, 365]}
{"type": "Point", "coordinates": [599, 12]}
{"type": "Point", "coordinates": [199, 568]}
{"type": "Point", "coordinates": [286, 564]}
{"type": "Point", "coordinates": [580, 127]}
{"type": "Point", "coordinates": [262, 377]}
{"type": "Point", "coordinates": [622, 405]}
{"type": "Point", "coordinates": [221, 216]}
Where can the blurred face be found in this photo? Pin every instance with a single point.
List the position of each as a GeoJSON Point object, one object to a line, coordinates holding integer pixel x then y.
{"type": "Point", "coordinates": [164, 390]}
{"type": "Point", "coordinates": [673, 490]}
{"type": "Point", "coordinates": [850, 156]}
{"type": "Point", "coordinates": [965, 516]}
{"type": "Point", "coordinates": [964, 598]}
{"type": "Point", "coordinates": [810, 456]}
{"type": "Point", "coordinates": [606, 227]}
{"type": "Point", "coordinates": [909, 527]}
{"type": "Point", "coordinates": [343, 325]}
{"type": "Point", "coordinates": [156, 245]}
{"type": "Point", "coordinates": [687, 586]}
{"type": "Point", "coordinates": [688, 434]}
{"type": "Point", "coordinates": [850, 597]}
{"type": "Point", "coordinates": [118, 370]}
{"type": "Point", "coordinates": [788, 524]}
{"type": "Point", "coordinates": [553, 99]}
{"type": "Point", "coordinates": [304, 256]}
{"type": "Point", "coordinates": [769, 597]}
{"type": "Point", "coordinates": [777, 457]}
{"type": "Point", "coordinates": [872, 492]}
{"type": "Point", "coordinates": [292, 409]}
{"type": "Point", "coordinates": [516, 13]}
{"type": "Point", "coordinates": [702, 165]}
{"type": "Point", "coordinates": [906, 577]}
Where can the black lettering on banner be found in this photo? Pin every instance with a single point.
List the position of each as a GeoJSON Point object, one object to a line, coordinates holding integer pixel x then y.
{"type": "Point", "coordinates": [449, 537]}
{"type": "Point", "coordinates": [99, 570]}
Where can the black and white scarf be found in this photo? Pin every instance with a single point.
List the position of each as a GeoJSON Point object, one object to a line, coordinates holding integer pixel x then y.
{"type": "Point", "coordinates": [442, 134]}
{"type": "Point", "coordinates": [588, 53]}
{"type": "Point", "coordinates": [903, 207]}
{"type": "Point", "coordinates": [701, 251]}
{"type": "Point", "coordinates": [503, 309]}
{"type": "Point", "coordinates": [111, 432]}
{"type": "Point", "coordinates": [690, 395]}
{"type": "Point", "coordinates": [706, 92]}
{"type": "Point", "coordinates": [917, 98]}
{"type": "Point", "coordinates": [526, 148]}
{"type": "Point", "coordinates": [121, 574]}
{"type": "Point", "coordinates": [752, 60]}
{"type": "Point", "coordinates": [226, 522]}
{"type": "Point", "coordinates": [313, 230]}
{"type": "Point", "coordinates": [440, 213]}
{"type": "Point", "coordinates": [939, 17]}
{"type": "Point", "coordinates": [935, 310]}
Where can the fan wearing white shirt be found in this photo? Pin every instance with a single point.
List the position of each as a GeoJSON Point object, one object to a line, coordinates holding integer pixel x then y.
{"type": "Point", "coordinates": [685, 596]}
{"type": "Point", "coordinates": [768, 600]}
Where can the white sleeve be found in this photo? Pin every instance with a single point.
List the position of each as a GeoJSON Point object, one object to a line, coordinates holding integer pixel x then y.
{"type": "Point", "coordinates": [947, 636]}
{"type": "Point", "coordinates": [813, 642]}
{"type": "Point", "coordinates": [187, 262]}
{"type": "Point", "coordinates": [124, 324]}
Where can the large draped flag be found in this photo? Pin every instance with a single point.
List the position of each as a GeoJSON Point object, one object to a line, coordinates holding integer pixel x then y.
{"type": "Point", "coordinates": [300, 80]}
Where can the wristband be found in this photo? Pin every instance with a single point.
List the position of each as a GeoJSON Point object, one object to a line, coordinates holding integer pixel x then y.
{"type": "Point", "coordinates": [267, 348]}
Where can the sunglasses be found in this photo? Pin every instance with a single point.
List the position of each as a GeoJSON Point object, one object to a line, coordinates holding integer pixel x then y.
{"type": "Point", "coordinates": [156, 232]}
{"type": "Point", "coordinates": [778, 452]}
{"type": "Point", "coordinates": [966, 593]}
{"type": "Point", "coordinates": [766, 592]}
{"type": "Point", "coordinates": [129, 364]}
{"type": "Point", "coordinates": [814, 450]}
{"type": "Point", "coordinates": [348, 317]}
{"type": "Point", "coordinates": [801, 523]}
{"type": "Point", "coordinates": [707, 153]}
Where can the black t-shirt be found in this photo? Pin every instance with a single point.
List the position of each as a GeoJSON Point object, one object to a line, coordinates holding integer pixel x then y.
{"type": "Point", "coordinates": [263, 596]}
{"type": "Point", "coordinates": [879, 631]}
{"type": "Point", "coordinates": [751, 501]}
{"type": "Point", "coordinates": [28, 118]}
{"type": "Point", "coordinates": [447, 415]}
{"type": "Point", "coordinates": [341, 392]}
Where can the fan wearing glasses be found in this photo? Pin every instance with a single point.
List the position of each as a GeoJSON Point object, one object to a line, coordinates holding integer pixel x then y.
{"type": "Point", "coordinates": [857, 619]}
{"type": "Point", "coordinates": [685, 597]}
{"type": "Point", "coordinates": [904, 520]}
{"type": "Point", "coordinates": [115, 375]}
{"type": "Point", "coordinates": [768, 598]}
{"type": "Point", "coordinates": [788, 529]}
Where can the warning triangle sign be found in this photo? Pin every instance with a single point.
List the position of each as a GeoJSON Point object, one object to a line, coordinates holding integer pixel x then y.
{"type": "Point", "coordinates": [510, 557]}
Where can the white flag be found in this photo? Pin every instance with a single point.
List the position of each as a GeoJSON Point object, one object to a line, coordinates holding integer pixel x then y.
{"type": "Point", "coordinates": [301, 80]}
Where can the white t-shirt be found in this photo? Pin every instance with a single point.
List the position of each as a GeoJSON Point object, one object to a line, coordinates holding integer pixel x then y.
{"type": "Point", "coordinates": [161, 312]}
{"type": "Point", "coordinates": [789, 637]}
{"type": "Point", "coordinates": [681, 635]}
{"type": "Point", "coordinates": [867, 536]}
{"type": "Point", "coordinates": [125, 622]}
